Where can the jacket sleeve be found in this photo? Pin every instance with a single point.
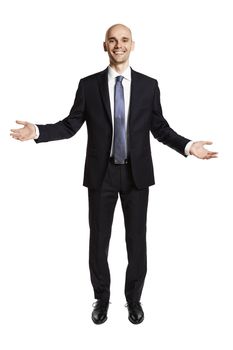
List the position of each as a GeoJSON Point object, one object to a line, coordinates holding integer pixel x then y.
{"type": "Point", "coordinates": [160, 128]}
{"type": "Point", "coordinates": [67, 127]}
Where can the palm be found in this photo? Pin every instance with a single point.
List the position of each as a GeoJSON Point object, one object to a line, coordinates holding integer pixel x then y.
{"type": "Point", "coordinates": [199, 151]}
{"type": "Point", "coordinates": [27, 132]}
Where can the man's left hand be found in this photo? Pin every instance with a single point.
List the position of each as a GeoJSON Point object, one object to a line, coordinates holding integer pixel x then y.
{"type": "Point", "coordinates": [198, 150]}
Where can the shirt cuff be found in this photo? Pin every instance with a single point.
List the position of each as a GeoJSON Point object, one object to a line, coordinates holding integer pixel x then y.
{"type": "Point", "coordinates": [37, 132]}
{"type": "Point", "coordinates": [187, 148]}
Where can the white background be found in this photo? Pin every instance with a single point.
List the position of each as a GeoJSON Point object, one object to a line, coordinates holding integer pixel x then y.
{"type": "Point", "coordinates": [46, 296]}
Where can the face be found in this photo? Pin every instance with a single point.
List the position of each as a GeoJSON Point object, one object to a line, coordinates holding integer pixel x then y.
{"type": "Point", "coordinates": [118, 43]}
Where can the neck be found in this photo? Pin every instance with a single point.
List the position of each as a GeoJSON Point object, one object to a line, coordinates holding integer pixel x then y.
{"type": "Point", "coordinates": [120, 67]}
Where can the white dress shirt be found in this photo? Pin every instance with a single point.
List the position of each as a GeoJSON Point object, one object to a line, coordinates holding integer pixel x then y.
{"type": "Point", "coordinates": [112, 74]}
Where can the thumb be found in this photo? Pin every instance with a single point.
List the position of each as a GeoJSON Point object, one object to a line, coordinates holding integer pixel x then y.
{"type": "Point", "coordinates": [21, 122]}
{"type": "Point", "coordinates": [207, 142]}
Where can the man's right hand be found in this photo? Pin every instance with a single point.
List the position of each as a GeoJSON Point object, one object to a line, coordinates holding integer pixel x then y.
{"type": "Point", "coordinates": [27, 132]}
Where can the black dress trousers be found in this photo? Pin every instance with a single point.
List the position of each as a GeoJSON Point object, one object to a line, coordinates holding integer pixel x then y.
{"type": "Point", "coordinates": [118, 180]}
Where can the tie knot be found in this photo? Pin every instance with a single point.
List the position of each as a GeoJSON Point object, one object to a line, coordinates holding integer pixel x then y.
{"type": "Point", "coordinates": [119, 78]}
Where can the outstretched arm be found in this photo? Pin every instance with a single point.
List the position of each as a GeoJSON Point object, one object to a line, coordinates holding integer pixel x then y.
{"type": "Point", "coordinates": [63, 129]}
{"type": "Point", "coordinates": [162, 131]}
{"type": "Point", "coordinates": [198, 150]}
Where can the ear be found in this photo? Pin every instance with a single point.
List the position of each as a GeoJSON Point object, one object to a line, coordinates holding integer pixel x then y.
{"type": "Point", "coordinates": [133, 45]}
{"type": "Point", "coordinates": [104, 45]}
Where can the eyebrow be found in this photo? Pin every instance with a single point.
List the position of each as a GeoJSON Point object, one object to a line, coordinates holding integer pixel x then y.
{"type": "Point", "coordinates": [112, 37]}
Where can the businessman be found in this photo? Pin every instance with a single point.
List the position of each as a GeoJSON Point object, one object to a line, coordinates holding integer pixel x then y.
{"type": "Point", "coordinates": [120, 107]}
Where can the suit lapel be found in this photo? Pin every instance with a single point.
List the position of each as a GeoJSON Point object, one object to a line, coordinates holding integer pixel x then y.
{"type": "Point", "coordinates": [133, 95]}
{"type": "Point", "coordinates": [103, 86]}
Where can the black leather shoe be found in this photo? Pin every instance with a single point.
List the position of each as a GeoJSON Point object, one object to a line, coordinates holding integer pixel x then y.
{"type": "Point", "coordinates": [136, 314]}
{"type": "Point", "coordinates": [99, 314]}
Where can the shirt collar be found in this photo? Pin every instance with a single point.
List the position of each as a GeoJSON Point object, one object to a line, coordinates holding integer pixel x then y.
{"type": "Point", "coordinates": [112, 74]}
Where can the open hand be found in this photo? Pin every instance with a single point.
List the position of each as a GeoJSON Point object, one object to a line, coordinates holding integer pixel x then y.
{"type": "Point", "coordinates": [198, 150]}
{"type": "Point", "coordinates": [27, 132]}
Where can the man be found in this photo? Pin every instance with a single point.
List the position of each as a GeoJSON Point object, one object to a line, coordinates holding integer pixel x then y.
{"type": "Point", "coordinates": [120, 107]}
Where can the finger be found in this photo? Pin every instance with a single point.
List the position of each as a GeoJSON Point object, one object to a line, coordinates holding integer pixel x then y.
{"type": "Point", "coordinates": [21, 122]}
{"type": "Point", "coordinates": [15, 137]}
{"type": "Point", "coordinates": [210, 152]}
{"type": "Point", "coordinates": [16, 133]}
{"type": "Point", "coordinates": [16, 130]}
{"type": "Point", "coordinates": [214, 155]}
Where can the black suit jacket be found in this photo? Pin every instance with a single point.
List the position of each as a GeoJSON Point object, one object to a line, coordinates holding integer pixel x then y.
{"type": "Point", "coordinates": [92, 105]}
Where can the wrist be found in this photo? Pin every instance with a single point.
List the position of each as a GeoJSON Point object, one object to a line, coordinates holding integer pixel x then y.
{"type": "Point", "coordinates": [188, 148]}
{"type": "Point", "coordinates": [36, 133]}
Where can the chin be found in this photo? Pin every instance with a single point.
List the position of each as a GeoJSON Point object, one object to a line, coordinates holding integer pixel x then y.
{"type": "Point", "coordinates": [120, 60]}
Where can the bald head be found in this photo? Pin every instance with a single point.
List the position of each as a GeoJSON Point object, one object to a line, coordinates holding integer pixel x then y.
{"type": "Point", "coordinates": [118, 27]}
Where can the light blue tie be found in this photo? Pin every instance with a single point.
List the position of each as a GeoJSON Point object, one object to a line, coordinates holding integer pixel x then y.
{"type": "Point", "coordinates": [119, 142]}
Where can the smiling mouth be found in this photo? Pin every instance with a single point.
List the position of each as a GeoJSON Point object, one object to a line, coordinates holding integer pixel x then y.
{"type": "Point", "coordinates": [118, 52]}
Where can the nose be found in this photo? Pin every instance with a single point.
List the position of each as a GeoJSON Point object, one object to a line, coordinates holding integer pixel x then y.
{"type": "Point", "coordinates": [118, 45]}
